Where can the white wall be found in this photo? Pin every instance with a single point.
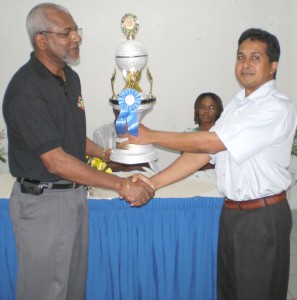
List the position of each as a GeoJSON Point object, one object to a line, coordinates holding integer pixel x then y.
{"type": "Point", "coordinates": [191, 44]}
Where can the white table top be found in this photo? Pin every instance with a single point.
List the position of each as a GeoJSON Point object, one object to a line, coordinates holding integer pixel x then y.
{"type": "Point", "coordinates": [202, 183]}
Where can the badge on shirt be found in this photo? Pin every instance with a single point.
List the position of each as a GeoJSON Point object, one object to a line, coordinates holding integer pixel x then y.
{"type": "Point", "coordinates": [80, 103]}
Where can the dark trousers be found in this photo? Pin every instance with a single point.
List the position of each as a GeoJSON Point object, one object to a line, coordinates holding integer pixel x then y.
{"type": "Point", "coordinates": [254, 253]}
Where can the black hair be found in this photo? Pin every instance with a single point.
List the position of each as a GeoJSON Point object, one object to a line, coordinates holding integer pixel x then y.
{"type": "Point", "coordinates": [273, 47]}
{"type": "Point", "coordinates": [213, 96]}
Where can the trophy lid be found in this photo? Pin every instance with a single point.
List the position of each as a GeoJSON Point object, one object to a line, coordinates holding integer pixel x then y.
{"type": "Point", "coordinates": [131, 55]}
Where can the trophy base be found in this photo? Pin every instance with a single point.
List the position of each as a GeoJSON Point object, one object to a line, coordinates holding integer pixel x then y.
{"type": "Point", "coordinates": [136, 154]}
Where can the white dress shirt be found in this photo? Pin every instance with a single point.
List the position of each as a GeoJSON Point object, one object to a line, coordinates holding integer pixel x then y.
{"type": "Point", "coordinates": [105, 136]}
{"type": "Point", "coordinates": [257, 131]}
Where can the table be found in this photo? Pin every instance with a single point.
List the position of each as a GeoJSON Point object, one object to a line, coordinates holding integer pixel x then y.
{"type": "Point", "coordinates": [164, 250]}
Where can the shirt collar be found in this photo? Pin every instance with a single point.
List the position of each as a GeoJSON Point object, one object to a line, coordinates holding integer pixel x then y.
{"type": "Point", "coordinates": [262, 91]}
{"type": "Point", "coordinates": [42, 69]}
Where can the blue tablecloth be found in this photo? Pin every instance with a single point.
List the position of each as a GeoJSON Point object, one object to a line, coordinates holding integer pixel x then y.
{"type": "Point", "coordinates": [165, 250]}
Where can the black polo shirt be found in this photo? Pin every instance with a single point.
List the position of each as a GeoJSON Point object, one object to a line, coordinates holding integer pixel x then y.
{"type": "Point", "coordinates": [42, 113]}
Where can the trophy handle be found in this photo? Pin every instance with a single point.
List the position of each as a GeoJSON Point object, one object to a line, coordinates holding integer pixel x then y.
{"type": "Point", "coordinates": [150, 78]}
{"type": "Point", "coordinates": [112, 83]}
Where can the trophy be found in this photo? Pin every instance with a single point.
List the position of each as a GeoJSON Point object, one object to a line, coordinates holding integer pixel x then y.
{"type": "Point", "coordinates": [131, 103]}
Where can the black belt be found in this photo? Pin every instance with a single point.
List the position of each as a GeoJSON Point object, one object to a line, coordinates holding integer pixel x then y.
{"type": "Point", "coordinates": [35, 187]}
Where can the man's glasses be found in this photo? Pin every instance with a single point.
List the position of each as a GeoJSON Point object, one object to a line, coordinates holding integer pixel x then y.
{"type": "Point", "coordinates": [209, 108]}
{"type": "Point", "coordinates": [72, 34]}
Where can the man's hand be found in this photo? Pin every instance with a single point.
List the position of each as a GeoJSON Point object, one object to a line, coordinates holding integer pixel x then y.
{"type": "Point", "coordinates": [141, 178]}
{"type": "Point", "coordinates": [137, 193]}
{"type": "Point", "coordinates": [144, 137]}
{"type": "Point", "coordinates": [147, 180]}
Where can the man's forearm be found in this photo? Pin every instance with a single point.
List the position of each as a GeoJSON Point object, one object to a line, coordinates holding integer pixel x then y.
{"type": "Point", "coordinates": [66, 166]}
{"type": "Point", "coordinates": [93, 149]}
{"type": "Point", "coordinates": [184, 166]}
{"type": "Point", "coordinates": [193, 142]}
{"type": "Point", "coordinates": [72, 169]}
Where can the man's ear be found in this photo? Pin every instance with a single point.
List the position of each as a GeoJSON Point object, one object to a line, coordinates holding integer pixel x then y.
{"type": "Point", "coordinates": [40, 41]}
{"type": "Point", "coordinates": [273, 68]}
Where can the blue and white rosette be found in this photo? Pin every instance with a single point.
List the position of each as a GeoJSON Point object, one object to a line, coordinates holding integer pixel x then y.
{"type": "Point", "coordinates": [129, 100]}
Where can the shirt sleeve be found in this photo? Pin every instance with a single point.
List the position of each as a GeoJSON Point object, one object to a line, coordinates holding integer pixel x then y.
{"type": "Point", "coordinates": [34, 124]}
{"type": "Point", "coordinates": [252, 132]}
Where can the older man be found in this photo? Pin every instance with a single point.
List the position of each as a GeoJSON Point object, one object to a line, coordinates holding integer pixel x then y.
{"type": "Point", "coordinates": [44, 112]}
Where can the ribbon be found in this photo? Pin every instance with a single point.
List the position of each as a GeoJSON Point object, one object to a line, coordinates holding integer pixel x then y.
{"type": "Point", "coordinates": [129, 100]}
{"type": "Point", "coordinates": [99, 164]}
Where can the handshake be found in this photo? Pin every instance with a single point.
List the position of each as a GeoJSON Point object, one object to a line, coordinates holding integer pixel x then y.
{"type": "Point", "coordinates": [137, 189]}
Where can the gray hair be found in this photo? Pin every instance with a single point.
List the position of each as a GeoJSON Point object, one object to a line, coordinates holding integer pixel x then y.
{"type": "Point", "coordinates": [37, 19]}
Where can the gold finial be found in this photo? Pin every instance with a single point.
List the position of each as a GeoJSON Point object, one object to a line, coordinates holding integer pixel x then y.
{"type": "Point", "coordinates": [130, 25]}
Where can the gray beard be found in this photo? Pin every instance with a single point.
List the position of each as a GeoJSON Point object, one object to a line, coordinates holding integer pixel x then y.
{"type": "Point", "coordinates": [72, 62]}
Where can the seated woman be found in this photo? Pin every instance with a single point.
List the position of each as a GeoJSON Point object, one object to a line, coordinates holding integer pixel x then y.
{"type": "Point", "coordinates": [207, 109]}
